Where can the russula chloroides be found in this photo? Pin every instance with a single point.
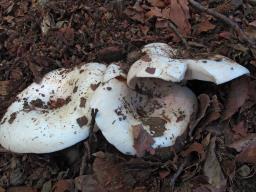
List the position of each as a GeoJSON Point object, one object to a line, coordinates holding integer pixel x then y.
{"type": "Point", "coordinates": [158, 62]}
{"type": "Point", "coordinates": [164, 113]}
{"type": "Point", "coordinates": [55, 114]}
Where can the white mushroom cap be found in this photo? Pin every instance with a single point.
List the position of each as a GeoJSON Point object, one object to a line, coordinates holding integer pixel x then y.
{"type": "Point", "coordinates": [158, 63]}
{"type": "Point", "coordinates": [218, 69]}
{"type": "Point", "coordinates": [53, 114]}
{"type": "Point", "coordinates": [165, 116]}
{"type": "Point", "coordinates": [160, 49]}
{"type": "Point", "coordinates": [112, 71]}
{"type": "Point", "coordinates": [154, 66]}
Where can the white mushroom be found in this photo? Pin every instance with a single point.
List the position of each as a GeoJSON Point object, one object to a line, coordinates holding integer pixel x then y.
{"type": "Point", "coordinates": [159, 49]}
{"type": "Point", "coordinates": [164, 112]}
{"type": "Point", "coordinates": [217, 69]}
{"type": "Point", "coordinates": [112, 71]}
{"type": "Point", "coordinates": [158, 63]}
{"type": "Point", "coordinates": [53, 114]}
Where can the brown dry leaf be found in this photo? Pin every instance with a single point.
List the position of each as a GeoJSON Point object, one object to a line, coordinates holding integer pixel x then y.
{"type": "Point", "coordinates": [163, 173]}
{"type": "Point", "coordinates": [248, 155]}
{"type": "Point", "coordinates": [212, 168]}
{"type": "Point", "coordinates": [204, 103]}
{"type": "Point", "coordinates": [64, 185]}
{"type": "Point", "coordinates": [204, 26]}
{"type": "Point", "coordinates": [253, 23]}
{"type": "Point", "coordinates": [67, 35]}
{"type": "Point", "coordinates": [22, 189]}
{"type": "Point", "coordinates": [229, 168]}
{"type": "Point", "coordinates": [88, 183]}
{"type": "Point", "coordinates": [240, 130]}
{"type": "Point", "coordinates": [110, 54]}
{"type": "Point", "coordinates": [252, 91]}
{"type": "Point", "coordinates": [194, 147]}
{"type": "Point", "coordinates": [136, 13]}
{"type": "Point", "coordinates": [225, 35]}
{"type": "Point", "coordinates": [142, 141]}
{"type": "Point", "coordinates": [110, 174]}
{"type": "Point", "coordinates": [246, 147]}
{"type": "Point", "coordinates": [250, 31]}
{"type": "Point", "coordinates": [157, 3]}
{"type": "Point", "coordinates": [243, 143]}
{"type": "Point", "coordinates": [214, 112]}
{"type": "Point", "coordinates": [5, 88]}
{"type": "Point", "coordinates": [178, 12]}
{"type": "Point", "coordinates": [237, 96]}
{"type": "Point", "coordinates": [2, 189]}
{"type": "Point", "coordinates": [154, 12]}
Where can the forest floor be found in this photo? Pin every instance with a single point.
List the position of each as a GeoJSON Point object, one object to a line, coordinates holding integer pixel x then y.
{"type": "Point", "coordinates": [39, 36]}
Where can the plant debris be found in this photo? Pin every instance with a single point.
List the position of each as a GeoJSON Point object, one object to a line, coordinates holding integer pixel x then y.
{"type": "Point", "coordinates": [37, 37]}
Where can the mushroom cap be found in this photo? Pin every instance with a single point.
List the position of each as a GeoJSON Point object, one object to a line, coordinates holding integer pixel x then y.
{"type": "Point", "coordinates": [158, 63]}
{"type": "Point", "coordinates": [112, 71]}
{"type": "Point", "coordinates": [160, 49]}
{"type": "Point", "coordinates": [164, 115]}
{"type": "Point", "coordinates": [155, 66]}
{"type": "Point", "coordinates": [217, 69]}
{"type": "Point", "coordinates": [53, 114]}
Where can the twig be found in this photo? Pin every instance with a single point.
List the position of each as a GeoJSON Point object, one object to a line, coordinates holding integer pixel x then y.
{"type": "Point", "coordinates": [86, 159]}
{"type": "Point", "coordinates": [83, 164]}
{"type": "Point", "coordinates": [179, 171]}
{"type": "Point", "coordinates": [225, 19]}
{"type": "Point", "coordinates": [175, 30]}
{"type": "Point", "coordinates": [90, 140]}
{"type": "Point", "coordinates": [3, 150]}
{"type": "Point", "coordinates": [93, 115]}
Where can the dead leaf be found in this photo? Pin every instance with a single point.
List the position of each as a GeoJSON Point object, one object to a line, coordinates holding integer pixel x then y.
{"type": "Point", "coordinates": [110, 54]}
{"type": "Point", "coordinates": [22, 189]}
{"type": "Point", "coordinates": [67, 35]}
{"type": "Point", "coordinates": [110, 174]}
{"type": "Point", "coordinates": [237, 96]}
{"type": "Point", "coordinates": [229, 168]}
{"type": "Point", "coordinates": [194, 147]}
{"type": "Point", "coordinates": [240, 130]}
{"type": "Point", "coordinates": [142, 141]}
{"type": "Point", "coordinates": [252, 91]}
{"type": "Point", "coordinates": [204, 26]}
{"type": "Point", "coordinates": [88, 183]}
{"type": "Point", "coordinates": [225, 35]}
{"type": "Point", "coordinates": [64, 185]}
{"type": "Point", "coordinates": [250, 31]}
{"type": "Point", "coordinates": [2, 189]}
{"type": "Point", "coordinates": [178, 13]}
{"type": "Point", "coordinates": [163, 173]}
{"type": "Point", "coordinates": [204, 102]}
{"type": "Point", "coordinates": [5, 87]}
{"type": "Point", "coordinates": [253, 23]}
{"type": "Point", "coordinates": [154, 12]}
{"type": "Point", "coordinates": [248, 155]}
{"type": "Point", "coordinates": [212, 167]}
{"type": "Point", "coordinates": [157, 3]}
{"type": "Point", "coordinates": [243, 143]}
{"type": "Point", "coordinates": [247, 148]}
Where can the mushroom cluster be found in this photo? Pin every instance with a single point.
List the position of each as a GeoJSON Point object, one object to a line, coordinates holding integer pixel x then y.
{"type": "Point", "coordinates": [56, 113]}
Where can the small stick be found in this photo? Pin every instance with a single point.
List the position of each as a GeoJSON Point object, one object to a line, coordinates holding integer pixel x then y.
{"type": "Point", "coordinates": [88, 152]}
{"type": "Point", "coordinates": [225, 19]}
{"type": "Point", "coordinates": [83, 164]}
{"type": "Point", "coordinates": [3, 150]}
{"type": "Point", "coordinates": [175, 30]}
{"type": "Point", "coordinates": [179, 171]}
{"type": "Point", "coordinates": [91, 134]}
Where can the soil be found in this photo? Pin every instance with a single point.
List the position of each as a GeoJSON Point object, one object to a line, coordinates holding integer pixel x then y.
{"type": "Point", "coordinates": [38, 36]}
